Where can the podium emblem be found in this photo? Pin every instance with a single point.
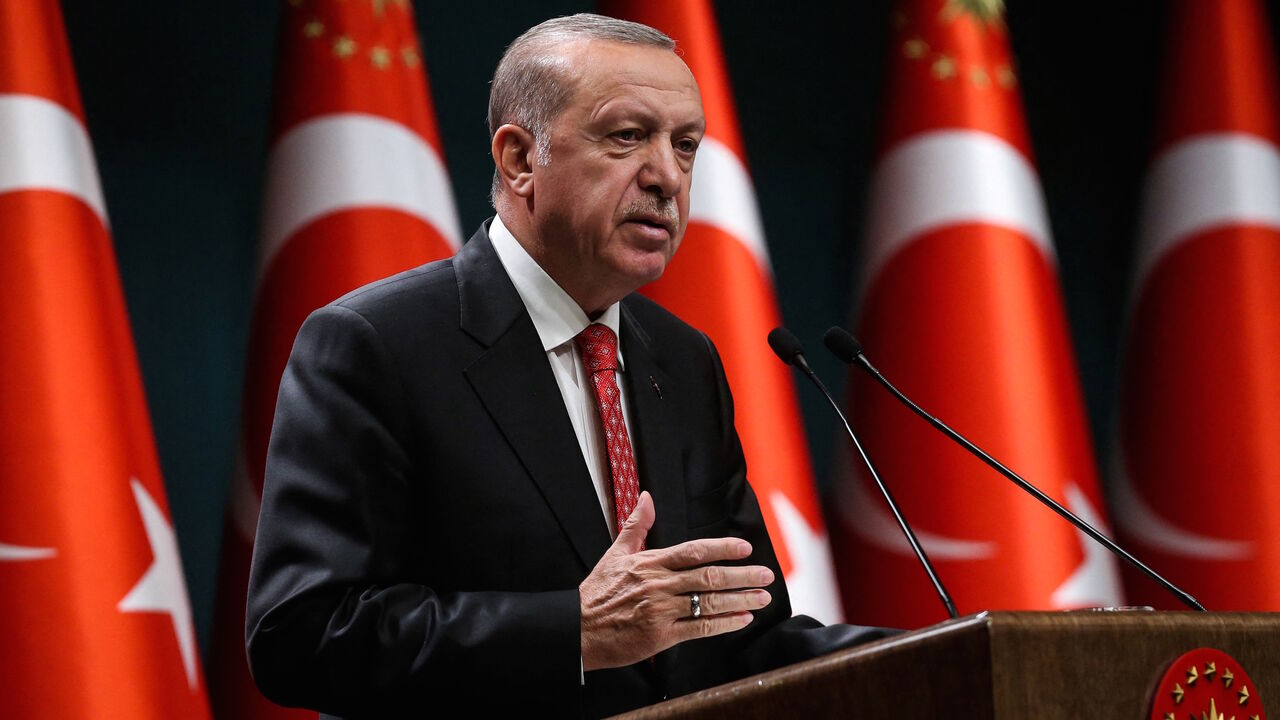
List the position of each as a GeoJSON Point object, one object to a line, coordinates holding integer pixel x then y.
{"type": "Point", "coordinates": [1206, 684]}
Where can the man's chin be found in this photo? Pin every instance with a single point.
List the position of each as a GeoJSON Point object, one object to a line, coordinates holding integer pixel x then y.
{"type": "Point", "coordinates": [640, 271]}
{"type": "Point", "coordinates": [638, 262]}
{"type": "Point", "coordinates": [648, 274]}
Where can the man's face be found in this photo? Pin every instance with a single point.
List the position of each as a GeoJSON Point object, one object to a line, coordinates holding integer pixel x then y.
{"type": "Point", "coordinates": [613, 201]}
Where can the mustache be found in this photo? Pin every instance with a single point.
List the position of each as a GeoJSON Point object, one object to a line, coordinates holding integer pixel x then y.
{"type": "Point", "coordinates": [654, 208]}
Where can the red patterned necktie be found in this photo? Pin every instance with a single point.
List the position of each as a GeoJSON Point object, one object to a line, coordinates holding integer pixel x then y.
{"type": "Point", "coordinates": [599, 348]}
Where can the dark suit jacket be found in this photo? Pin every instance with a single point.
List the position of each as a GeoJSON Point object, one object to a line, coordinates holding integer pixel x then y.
{"type": "Point", "coordinates": [427, 515]}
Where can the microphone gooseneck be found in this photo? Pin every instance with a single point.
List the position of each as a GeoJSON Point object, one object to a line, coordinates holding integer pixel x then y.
{"type": "Point", "coordinates": [790, 351]}
{"type": "Point", "coordinates": [849, 350]}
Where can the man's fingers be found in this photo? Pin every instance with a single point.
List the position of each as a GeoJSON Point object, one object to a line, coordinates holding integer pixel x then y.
{"type": "Point", "coordinates": [714, 625]}
{"type": "Point", "coordinates": [719, 603]}
{"type": "Point", "coordinates": [632, 533]}
{"type": "Point", "coordinates": [700, 552]}
{"type": "Point", "coordinates": [719, 577]}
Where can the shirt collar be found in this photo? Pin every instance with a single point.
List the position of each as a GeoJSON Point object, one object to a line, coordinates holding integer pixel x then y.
{"type": "Point", "coordinates": [556, 316]}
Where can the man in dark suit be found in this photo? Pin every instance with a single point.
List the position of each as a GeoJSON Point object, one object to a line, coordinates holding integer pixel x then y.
{"type": "Point", "coordinates": [504, 479]}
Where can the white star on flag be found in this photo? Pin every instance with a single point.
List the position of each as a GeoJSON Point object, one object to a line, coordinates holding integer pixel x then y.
{"type": "Point", "coordinates": [1096, 582]}
{"type": "Point", "coordinates": [811, 563]}
{"type": "Point", "coordinates": [162, 588]}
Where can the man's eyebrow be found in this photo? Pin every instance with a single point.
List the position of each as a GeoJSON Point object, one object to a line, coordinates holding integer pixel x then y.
{"type": "Point", "coordinates": [699, 125]}
{"type": "Point", "coordinates": [616, 110]}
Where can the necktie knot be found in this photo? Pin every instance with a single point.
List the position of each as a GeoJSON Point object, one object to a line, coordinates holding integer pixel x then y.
{"type": "Point", "coordinates": [599, 348]}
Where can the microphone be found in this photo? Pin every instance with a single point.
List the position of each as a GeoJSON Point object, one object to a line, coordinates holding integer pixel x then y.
{"type": "Point", "coordinates": [849, 350]}
{"type": "Point", "coordinates": [790, 351]}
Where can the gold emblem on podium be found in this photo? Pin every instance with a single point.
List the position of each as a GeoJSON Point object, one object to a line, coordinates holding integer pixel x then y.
{"type": "Point", "coordinates": [1206, 684]}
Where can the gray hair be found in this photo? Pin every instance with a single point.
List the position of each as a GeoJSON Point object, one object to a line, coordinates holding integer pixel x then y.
{"type": "Point", "coordinates": [532, 85]}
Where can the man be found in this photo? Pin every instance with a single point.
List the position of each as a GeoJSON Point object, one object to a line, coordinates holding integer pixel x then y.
{"type": "Point", "coordinates": [504, 480]}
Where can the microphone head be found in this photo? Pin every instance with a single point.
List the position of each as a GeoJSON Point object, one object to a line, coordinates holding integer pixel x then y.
{"type": "Point", "coordinates": [842, 344]}
{"type": "Point", "coordinates": [785, 345]}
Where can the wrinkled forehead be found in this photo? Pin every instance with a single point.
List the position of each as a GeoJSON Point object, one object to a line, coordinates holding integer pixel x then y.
{"type": "Point", "coordinates": [598, 66]}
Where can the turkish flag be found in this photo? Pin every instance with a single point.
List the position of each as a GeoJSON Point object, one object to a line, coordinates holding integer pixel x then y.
{"type": "Point", "coordinates": [94, 612]}
{"type": "Point", "coordinates": [1196, 476]}
{"type": "Point", "coordinates": [357, 190]}
{"type": "Point", "coordinates": [959, 305]}
{"type": "Point", "coordinates": [721, 282]}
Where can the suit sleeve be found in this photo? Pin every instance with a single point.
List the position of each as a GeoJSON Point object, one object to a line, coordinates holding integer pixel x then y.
{"type": "Point", "coordinates": [336, 619]}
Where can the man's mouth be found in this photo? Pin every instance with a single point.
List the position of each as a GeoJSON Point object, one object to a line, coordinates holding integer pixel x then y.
{"type": "Point", "coordinates": [654, 223]}
{"type": "Point", "coordinates": [654, 214]}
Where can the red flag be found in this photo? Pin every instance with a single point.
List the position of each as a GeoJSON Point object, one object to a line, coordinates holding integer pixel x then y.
{"type": "Point", "coordinates": [961, 308]}
{"type": "Point", "coordinates": [721, 282]}
{"type": "Point", "coordinates": [1197, 477]}
{"type": "Point", "coordinates": [356, 190]}
{"type": "Point", "coordinates": [94, 610]}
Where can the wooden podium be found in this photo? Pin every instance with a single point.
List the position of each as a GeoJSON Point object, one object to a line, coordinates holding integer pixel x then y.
{"type": "Point", "coordinates": [1078, 664]}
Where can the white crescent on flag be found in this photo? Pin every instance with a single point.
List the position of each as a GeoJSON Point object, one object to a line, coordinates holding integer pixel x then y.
{"type": "Point", "coordinates": [723, 196]}
{"type": "Point", "coordinates": [1140, 520]}
{"type": "Point", "coordinates": [870, 519]}
{"type": "Point", "coordinates": [19, 553]}
{"type": "Point", "coordinates": [350, 160]}
{"type": "Point", "coordinates": [1208, 181]}
{"type": "Point", "coordinates": [1204, 182]}
{"type": "Point", "coordinates": [947, 177]}
{"type": "Point", "coordinates": [45, 147]}
{"type": "Point", "coordinates": [930, 181]}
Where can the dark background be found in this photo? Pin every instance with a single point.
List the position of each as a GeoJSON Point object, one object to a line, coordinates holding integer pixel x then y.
{"type": "Point", "coordinates": [178, 96]}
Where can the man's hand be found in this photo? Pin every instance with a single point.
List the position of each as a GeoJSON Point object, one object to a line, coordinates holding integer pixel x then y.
{"type": "Point", "coordinates": [635, 603]}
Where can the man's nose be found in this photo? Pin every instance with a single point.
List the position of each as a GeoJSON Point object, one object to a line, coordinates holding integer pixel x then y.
{"type": "Point", "coordinates": [662, 172]}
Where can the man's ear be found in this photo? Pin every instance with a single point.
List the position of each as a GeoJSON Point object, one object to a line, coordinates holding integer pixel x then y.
{"type": "Point", "coordinates": [514, 152]}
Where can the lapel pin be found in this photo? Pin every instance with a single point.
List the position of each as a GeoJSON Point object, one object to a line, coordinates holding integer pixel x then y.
{"type": "Point", "coordinates": [656, 388]}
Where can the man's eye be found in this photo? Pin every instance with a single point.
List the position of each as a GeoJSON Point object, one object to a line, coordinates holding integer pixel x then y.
{"type": "Point", "coordinates": [627, 135]}
{"type": "Point", "coordinates": [688, 145]}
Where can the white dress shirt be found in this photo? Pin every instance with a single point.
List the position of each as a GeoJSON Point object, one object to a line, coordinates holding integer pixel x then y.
{"type": "Point", "coordinates": [558, 320]}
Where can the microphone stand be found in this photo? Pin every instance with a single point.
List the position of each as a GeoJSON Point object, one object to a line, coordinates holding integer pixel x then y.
{"type": "Point", "coordinates": [789, 350]}
{"type": "Point", "coordinates": [841, 347]}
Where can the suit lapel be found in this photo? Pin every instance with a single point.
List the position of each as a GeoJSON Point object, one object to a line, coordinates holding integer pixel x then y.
{"type": "Point", "coordinates": [514, 381]}
{"type": "Point", "coordinates": [655, 398]}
